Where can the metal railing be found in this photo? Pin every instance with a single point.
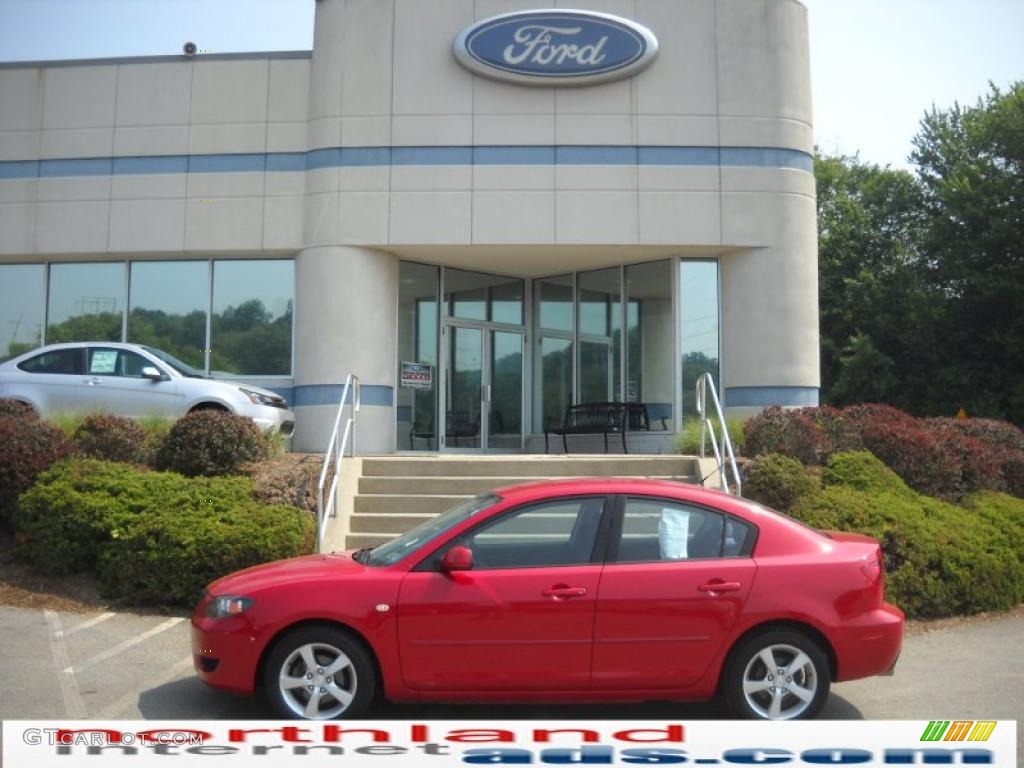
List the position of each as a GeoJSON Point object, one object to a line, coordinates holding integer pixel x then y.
{"type": "Point", "coordinates": [326, 503]}
{"type": "Point", "coordinates": [704, 385]}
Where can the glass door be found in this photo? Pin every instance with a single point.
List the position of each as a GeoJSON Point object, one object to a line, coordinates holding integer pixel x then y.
{"type": "Point", "coordinates": [483, 387]}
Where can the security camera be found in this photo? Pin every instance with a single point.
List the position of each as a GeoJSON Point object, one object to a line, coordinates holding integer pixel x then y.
{"type": "Point", "coordinates": [189, 48]}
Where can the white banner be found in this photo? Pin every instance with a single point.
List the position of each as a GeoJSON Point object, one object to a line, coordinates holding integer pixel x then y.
{"type": "Point", "coordinates": [400, 743]}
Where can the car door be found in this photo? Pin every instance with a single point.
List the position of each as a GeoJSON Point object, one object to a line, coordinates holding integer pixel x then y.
{"type": "Point", "coordinates": [675, 584]}
{"type": "Point", "coordinates": [521, 618]}
{"type": "Point", "coordinates": [114, 384]}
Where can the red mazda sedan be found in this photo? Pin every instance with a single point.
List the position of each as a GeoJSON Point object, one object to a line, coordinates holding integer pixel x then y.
{"type": "Point", "coordinates": [586, 589]}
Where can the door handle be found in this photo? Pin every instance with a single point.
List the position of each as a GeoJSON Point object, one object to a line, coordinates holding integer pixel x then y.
{"type": "Point", "coordinates": [562, 592]}
{"type": "Point", "coordinates": [720, 586]}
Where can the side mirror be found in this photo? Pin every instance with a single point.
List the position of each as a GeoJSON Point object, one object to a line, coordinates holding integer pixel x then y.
{"type": "Point", "coordinates": [153, 373]}
{"type": "Point", "coordinates": [457, 559]}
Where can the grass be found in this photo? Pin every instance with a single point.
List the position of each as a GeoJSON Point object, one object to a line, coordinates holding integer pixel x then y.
{"type": "Point", "coordinates": [688, 440]}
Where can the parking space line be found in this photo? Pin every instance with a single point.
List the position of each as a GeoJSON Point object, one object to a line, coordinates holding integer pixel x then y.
{"type": "Point", "coordinates": [73, 705]}
{"type": "Point", "coordinates": [90, 623]}
{"type": "Point", "coordinates": [111, 652]}
{"type": "Point", "coordinates": [116, 708]}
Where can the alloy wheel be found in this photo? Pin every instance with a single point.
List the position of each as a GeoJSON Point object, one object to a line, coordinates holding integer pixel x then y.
{"type": "Point", "coordinates": [317, 681]}
{"type": "Point", "coordinates": [780, 682]}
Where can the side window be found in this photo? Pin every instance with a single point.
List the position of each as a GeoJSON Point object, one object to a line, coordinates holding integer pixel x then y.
{"type": "Point", "coordinates": [116, 362]}
{"type": "Point", "coordinates": [654, 530]}
{"type": "Point", "coordinates": [560, 532]}
{"type": "Point", "coordinates": [55, 361]}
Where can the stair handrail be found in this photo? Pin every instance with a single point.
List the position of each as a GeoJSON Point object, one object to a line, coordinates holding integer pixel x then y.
{"type": "Point", "coordinates": [704, 384]}
{"type": "Point", "coordinates": [326, 505]}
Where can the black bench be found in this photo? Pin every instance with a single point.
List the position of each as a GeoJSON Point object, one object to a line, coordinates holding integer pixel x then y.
{"type": "Point", "coordinates": [457, 424]}
{"type": "Point", "coordinates": [600, 419]}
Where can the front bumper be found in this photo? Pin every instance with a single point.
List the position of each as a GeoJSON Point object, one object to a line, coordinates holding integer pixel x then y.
{"type": "Point", "coordinates": [224, 653]}
{"type": "Point", "coordinates": [269, 419]}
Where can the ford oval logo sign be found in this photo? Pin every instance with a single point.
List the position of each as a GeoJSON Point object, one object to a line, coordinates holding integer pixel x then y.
{"type": "Point", "coordinates": [556, 47]}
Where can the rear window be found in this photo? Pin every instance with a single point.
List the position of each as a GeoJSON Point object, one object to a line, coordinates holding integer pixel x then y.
{"type": "Point", "coordinates": [55, 361]}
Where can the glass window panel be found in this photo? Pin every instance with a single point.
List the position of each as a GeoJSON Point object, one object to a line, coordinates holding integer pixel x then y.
{"type": "Point", "coordinates": [649, 340]}
{"type": "Point", "coordinates": [86, 302]}
{"type": "Point", "coordinates": [22, 303]}
{"type": "Point", "coordinates": [55, 361]}
{"type": "Point", "coordinates": [167, 306]}
{"type": "Point", "coordinates": [416, 412]}
{"type": "Point", "coordinates": [654, 530]}
{"type": "Point", "coordinates": [698, 325]}
{"type": "Point", "coordinates": [554, 303]}
{"type": "Point", "coordinates": [251, 326]}
{"type": "Point", "coordinates": [554, 366]}
{"type": "Point", "coordinates": [600, 319]}
{"type": "Point", "coordinates": [479, 296]}
{"type": "Point", "coordinates": [506, 420]}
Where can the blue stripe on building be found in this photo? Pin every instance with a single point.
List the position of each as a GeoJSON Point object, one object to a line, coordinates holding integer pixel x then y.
{"type": "Point", "coordinates": [330, 394]}
{"type": "Point", "coordinates": [351, 157]}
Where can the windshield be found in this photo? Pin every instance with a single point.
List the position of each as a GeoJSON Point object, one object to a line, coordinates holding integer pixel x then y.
{"type": "Point", "coordinates": [396, 549]}
{"type": "Point", "coordinates": [181, 367]}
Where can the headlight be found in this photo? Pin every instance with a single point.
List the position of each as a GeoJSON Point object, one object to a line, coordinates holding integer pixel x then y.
{"type": "Point", "coordinates": [227, 605]}
{"type": "Point", "coordinates": [258, 398]}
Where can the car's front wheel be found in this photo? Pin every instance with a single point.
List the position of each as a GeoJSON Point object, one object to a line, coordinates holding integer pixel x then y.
{"type": "Point", "coordinates": [319, 673]}
{"type": "Point", "coordinates": [777, 675]}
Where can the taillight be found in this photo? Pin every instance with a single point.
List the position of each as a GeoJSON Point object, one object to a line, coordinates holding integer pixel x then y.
{"type": "Point", "coordinates": [872, 567]}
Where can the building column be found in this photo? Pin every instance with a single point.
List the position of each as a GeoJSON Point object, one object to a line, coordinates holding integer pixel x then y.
{"type": "Point", "coordinates": [346, 302]}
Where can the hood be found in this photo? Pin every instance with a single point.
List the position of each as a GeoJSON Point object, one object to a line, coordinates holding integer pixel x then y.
{"type": "Point", "coordinates": [306, 569]}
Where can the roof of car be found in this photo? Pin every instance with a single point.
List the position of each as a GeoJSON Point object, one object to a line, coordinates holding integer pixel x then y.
{"type": "Point", "coordinates": [567, 486]}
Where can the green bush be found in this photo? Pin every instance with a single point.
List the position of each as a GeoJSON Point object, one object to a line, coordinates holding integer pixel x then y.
{"type": "Point", "coordinates": [113, 438]}
{"type": "Point", "coordinates": [863, 471]}
{"type": "Point", "coordinates": [80, 504]}
{"type": "Point", "coordinates": [208, 443]}
{"type": "Point", "coordinates": [941, 560]}
{"type": "Point", "coordinates": [688, 440]}
{"type": "Point", "coordinates": [170, 556]}
{"type": "Point", "coordinates": [27, 447]}
{"type": "Point", "coordinates": [151, 537]}
{"type": "Point", "coordinates": [777, 481]}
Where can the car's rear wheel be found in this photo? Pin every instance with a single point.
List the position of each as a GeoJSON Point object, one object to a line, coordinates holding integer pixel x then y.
{"type": "Point", "coordinates": [319, 673]}
{"type": "Point", "coordinates": [777, 675]}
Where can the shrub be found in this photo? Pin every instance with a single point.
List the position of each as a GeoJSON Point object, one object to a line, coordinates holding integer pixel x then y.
{"type": "Point", "coordinates": [27, 447]}
{"type": "Point", "coordinates": [794, 433]}
{"type": "Point", "coordinates": [941, 560]}
{"type": "Point", "coordinates": [997, 434]}
{"type": "Point", "coordinates": [210, 443]}
{"type": "Point", "coordinates": [152, 537]}
{"type": "Point", "coordinates": [170, 556]}
{"type": "Point", "coordinates": [862, 471]}
{"type": "Point", "coordinates": [114, 438]}
{"type": "Point", "coordinates": [926, 461]}
{"type": "Point", "coordinates": [1011, 475]}
{"type": "Point", "coordinates": [16, 408]}
{"type": "Point", "coordinates": [79, 504]}
{"type": "Point", "coordinates": [777, 481]}
{"type": "Point", "coordinates": [688, 440]}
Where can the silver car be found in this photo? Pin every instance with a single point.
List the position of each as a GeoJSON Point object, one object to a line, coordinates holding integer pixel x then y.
{"type": "Point", "coordinates": [131, 380]}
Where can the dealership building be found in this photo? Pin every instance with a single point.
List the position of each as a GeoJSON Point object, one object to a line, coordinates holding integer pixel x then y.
{"type": "Point", "coordinates": [485, 209]}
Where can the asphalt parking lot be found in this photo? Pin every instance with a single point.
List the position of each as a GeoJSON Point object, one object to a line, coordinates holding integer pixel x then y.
{"type": "Point", "coordinates": [122, 665]}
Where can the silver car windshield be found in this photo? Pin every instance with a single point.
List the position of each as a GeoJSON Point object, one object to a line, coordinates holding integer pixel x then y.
{"type": "Point", "coordinates": [396, 549]}
{"type": "Point", "coordinates": [181, 367]}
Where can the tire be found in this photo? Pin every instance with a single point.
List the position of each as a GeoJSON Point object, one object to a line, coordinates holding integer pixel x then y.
{"type": "Point", "coordinates": [806, 677]}
{"type": "Point", "coordinates": [346, 685]}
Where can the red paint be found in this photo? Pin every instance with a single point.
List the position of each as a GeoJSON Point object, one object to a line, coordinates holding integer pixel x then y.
{"type": "Point", "coordinates": [595, 632]}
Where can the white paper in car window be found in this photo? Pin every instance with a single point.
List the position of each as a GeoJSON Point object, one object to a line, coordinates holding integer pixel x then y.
{"type": "Point", "coordinates": [673, 533]}
{"type": "Point", "coordinates": [103, 361]}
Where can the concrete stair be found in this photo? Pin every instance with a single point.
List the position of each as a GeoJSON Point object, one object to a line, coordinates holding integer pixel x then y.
{"type": "Point", "coordinates": [395, 493]}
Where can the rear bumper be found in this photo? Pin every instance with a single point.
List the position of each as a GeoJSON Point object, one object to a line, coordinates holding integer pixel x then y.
{"type": "Point", "coordinates": [869, 645]}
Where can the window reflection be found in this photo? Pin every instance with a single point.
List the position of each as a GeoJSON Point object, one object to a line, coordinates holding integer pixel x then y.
{"type": "Point", "coordinates": [168, 301]}
{"type": "Point", "coordinates": [649, 364]}
{"type": "Point", "coordinates": [554, 303]}
{"type": "Point", "coordinates": [478, 296]}
{"type": "Point", "coordinates": [599, 366]}
{"type": "Point", "coordinates": [22, 301]}
{"type": "Point", "coordinates": [86, 302]}
{"type": "Point", "coordinates": [417, 343]}
{"type": "Point", "coordinates": [698, 324]}
{"type": "Point", "coordinates": [251, 325]}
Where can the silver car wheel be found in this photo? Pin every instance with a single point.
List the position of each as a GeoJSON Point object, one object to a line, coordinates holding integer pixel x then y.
{"type": "Point", "coordinates": [780, 682]}
{"type": "Point", "coordinates": [317, 681]}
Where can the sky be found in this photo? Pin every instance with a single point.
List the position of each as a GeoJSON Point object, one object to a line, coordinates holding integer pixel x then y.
{"type": "Point", "coordinates": [876, 65]}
